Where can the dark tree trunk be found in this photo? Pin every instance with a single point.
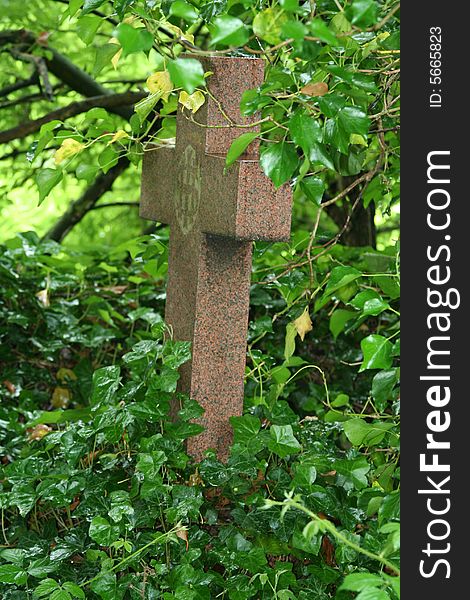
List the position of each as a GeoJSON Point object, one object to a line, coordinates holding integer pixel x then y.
{"type": "Point", "coordinates": [360, 229]}
{"type": "Point", "coordinates": [79, 208]}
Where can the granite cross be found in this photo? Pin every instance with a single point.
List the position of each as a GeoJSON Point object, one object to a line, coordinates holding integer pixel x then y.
{"type": "Point", "coordinates": [214, 215]}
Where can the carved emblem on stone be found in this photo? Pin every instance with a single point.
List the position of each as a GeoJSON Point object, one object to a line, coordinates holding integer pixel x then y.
{"type": "Point", "coordinates": [188, 190]}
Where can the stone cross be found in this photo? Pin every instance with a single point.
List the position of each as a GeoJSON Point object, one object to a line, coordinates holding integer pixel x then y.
{"type": "Point", "coordinates": [214, 215]}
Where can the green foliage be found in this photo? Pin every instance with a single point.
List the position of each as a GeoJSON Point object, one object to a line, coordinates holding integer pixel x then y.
{"type": "Point", "coordinates": [103, 502]}
{"type": "Point", "coordinates": [98, 497]}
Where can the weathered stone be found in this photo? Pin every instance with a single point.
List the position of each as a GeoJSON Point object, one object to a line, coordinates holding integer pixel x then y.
{"type": "Point", "coordinates": [214, 214]}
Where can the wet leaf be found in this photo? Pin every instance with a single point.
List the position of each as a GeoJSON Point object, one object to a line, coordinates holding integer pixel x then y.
{"type": "Point", "coordinates": [279, 162]}
{"type": "Point", "coordinates": [38, 432]}
{"type": "Point", "coordinates": [303, 324]}
{"type": "Point", "coordinates": [160, 83]}
{"type": "Point", "coordinates": [238, 147]}
{"type": "Point", "coordinates": [68, 148]}
{"type": "Point", "coordinates": [192, 102]}
{"type": "Point", "coordinates": [61, 397]}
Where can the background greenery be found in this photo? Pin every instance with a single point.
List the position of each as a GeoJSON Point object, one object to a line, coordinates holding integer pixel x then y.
{"type": "Point", "coordinates": [98, 498]}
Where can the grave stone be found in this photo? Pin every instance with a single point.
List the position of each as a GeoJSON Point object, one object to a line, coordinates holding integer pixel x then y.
{"type": "Point", "coordinates": [214, 215]}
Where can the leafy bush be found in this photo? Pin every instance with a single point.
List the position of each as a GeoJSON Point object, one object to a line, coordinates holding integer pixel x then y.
{"type": "Point", "coordinates": [98, 497]}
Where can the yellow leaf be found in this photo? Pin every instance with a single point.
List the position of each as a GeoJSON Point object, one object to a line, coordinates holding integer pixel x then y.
{"type": "Point", "coordinates": [195, 479]}
{"type": "Point", "coordinates": [356, 138]}
{"type": "Point", "coordinates": [303, 324]}
{"type": "Point", "coordinates": [116, 58]}
{"type": "Point", "coordinates": [38, 432]}
{"type": "Point", "coordinates": [61, 397]}
{"type": "Point", "coordinates": [119, 135]}
{"type": "Point", "coordinates": [63, 374]}
{"type": "Point", "coordinates": [132, 19]}
{"type": "Point", "coordinates": [182, 534]}
{"type": "Point", "coordinates": [160, 83]}
{"type": "Point", "coordinates": [43, 297]}
{"type": "Point", "coordinates": [68, 148]}
{"type": "Point", "coordinates": [192, 102]}
{"type": "Point", "coordinates": [189, 37]}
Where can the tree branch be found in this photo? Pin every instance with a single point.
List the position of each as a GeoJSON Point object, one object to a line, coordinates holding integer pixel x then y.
{"type": "Point", "coordinates": [114, 204]}
{"type": "Point", "coordinates": [73, 109]}
{"type": "Point", "coordinates": [64, 69]}
{"type": "Point", "coordinates": [78, 209]}
{"type": "Point", "coordinates": [19, 85]}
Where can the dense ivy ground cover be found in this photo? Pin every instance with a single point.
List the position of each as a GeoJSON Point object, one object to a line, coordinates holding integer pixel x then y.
{"type": "Point", "coordinates": [98, 498]}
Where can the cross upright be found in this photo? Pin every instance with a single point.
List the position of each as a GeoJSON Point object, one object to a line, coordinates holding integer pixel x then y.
{"type": "Point", "coordinates": [214, 215]}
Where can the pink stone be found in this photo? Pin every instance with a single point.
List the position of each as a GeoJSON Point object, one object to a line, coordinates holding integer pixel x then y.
{"type": "Point", "coordinates": [214, 215]}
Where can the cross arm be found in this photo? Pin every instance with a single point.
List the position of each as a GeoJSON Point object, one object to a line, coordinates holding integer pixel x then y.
{"type": "Point", "coordinates": [242, 203]}
{"type": "Point", "coordinates": [159, 172]}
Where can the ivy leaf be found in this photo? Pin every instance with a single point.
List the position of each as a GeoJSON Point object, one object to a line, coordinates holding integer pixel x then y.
{"type": "Point", "coordinates": [105, 586]}
{"type": "Point", "coordinates": [340, 277]}
{"type": "Point", "coordinates": [46, 180]}
{"type": "Point", "coordinates": [186, 73]}
{"type": "Point", "coordinates": [320, 30]}
{"type": "Point", "coordinates": [228, 31]}
{"type": "Point", "coordinates": [102, 532]}
{"type": "Point", "coordinates": [375, 306]}
{"type": "Point", "coordinates": [289, 343]}
{"type": "Point", "coordinates": [13, 574]}
{"type": "Point", "coordinates": [363, 13]}
{"type": "Point", "coordinates": [144, 106]}
{"type": "Point", "coordinates": [390, 507]}
{"type": "Point", "coordinates": [305, 131]}
{"type": "Point", "coordinates": [351, 474]}
{"type": "Point", "coordinates": [289, 5]}
{"type": "Point", "coordinates": [382, 386]}
{"type": "Point", "coordinates": [361, 298]}
{"type": "Point", "coordinates": [355, 582]}
{"type": "Point", "coordinates": [245, 428]}
{"type": "Point", "coordinates": [91, 5]}
{"type": "Point", "coordinates": [184, 10]}
{"type": "Point", "coordinates": [353, 120]}
{"type": "Point", "coordinates": [212, 9]}
{"type": "Point", "coordinates": [349, 120]}
{"type": "Point", "coordinates": [303, 324]}
{"type": "Point", "coordinates": [283, 442]}
{"type": "Point", "coordinates": [47, 586]}
{"type": "Point", "coordinates": [238, 147]}
{"type": "Point", "coordinates": [361, 433]}
{"type": "Point", "coordinates": [267, 25]}
{"type": "Point", "coordinates": [150, 464]}
{"type": "Point", "coordinates": [105, 384]}
{"type": "Point", "coordinates": [319, 155]}
{"type": "Point", "coordinates": [279, 162]}
{"type": "Point", "coordinates": [160, 83]}
{"type": "Point", "coordinates": [87, 27]}
{"type": "Point", "coordinates": [377, 352]}
{"type": "Point", "coordinates": [314, 188]}
{"type": "Point", "coordinates": [192, 102]}
{"type": "Point", "coordinates": [294, 29]}
{"type": "Point", "coordinates": [339, 319]}
{"type": "Point", "coordinates": [74, 590]}
{"type": "Point", "coordinates": [305, 476]}
{"type": "Point", "coordinates": [133, 40]}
